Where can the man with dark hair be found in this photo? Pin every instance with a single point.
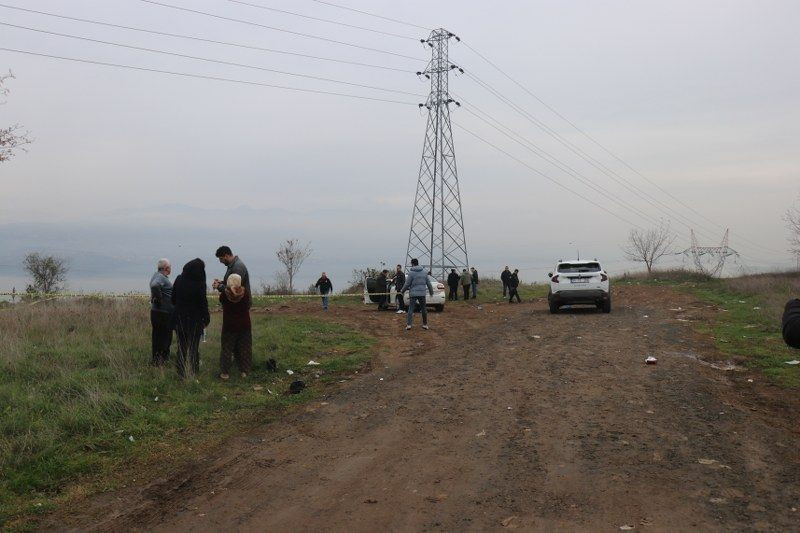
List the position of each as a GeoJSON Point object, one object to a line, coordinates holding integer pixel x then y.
{"type": "Point", "coordinates": [452, 281]}
{"type": "Point", "coordinates": [325, 287]}
{"type": "Point", "coordinates": [161, 312]}
{"type": "Point", "coordinates": [418, 284]}
{"type": "Point", "coordinates": [383, 288]}
{"type": "Point", "coordinates": [399, 280]}
{"type": "Point", "coordinates": [474, 283]}
{"type": "Point", "coordinates": [513, 283]}
{"type": "Point", "coordinates": [235, 266]}
{"type": "Point", "coordinates": [504, 278]}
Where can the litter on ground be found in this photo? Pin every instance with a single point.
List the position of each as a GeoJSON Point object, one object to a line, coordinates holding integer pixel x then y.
{"type": "Point", "coordinates": [290, 372]}
{"type": "Point", "coordinates": [312, 363]}
{"type": "Point", "coordinates": [651, 360]}
{"type": "Point", "coordinates": [793, 362]}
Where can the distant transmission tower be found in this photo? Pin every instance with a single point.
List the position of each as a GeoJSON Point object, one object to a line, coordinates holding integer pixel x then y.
{"type": "Point", "coordinates": [710, 259]}
{"type": "Point", "coordinates": [437, 225]}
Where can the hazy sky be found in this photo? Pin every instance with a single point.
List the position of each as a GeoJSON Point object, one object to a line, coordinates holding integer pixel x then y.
{"type": "Point", "coordinates": [699, 96]}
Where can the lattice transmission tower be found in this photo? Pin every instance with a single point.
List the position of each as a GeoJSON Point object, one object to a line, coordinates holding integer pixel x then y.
{"type": "Point", "coordinates": [710, 259]}
{"type": "Point", "coordinates": [437, 235]}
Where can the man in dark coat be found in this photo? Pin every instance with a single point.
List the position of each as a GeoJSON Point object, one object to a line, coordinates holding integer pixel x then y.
{"type": "Point", "coordinates": [383, 287]}
{"type": "Point", "coordinates": [513, 283]}
{"type": "Point", "coordinates": [791, 323]}
{"type": "Point", "coordinates": [191, 313]}
{"type": "Point", "coordinates": [399, 280]}
{"type": "Point", "coordinates": [325, 288]}
{"type": "Point", "coordinates": [453, 280]}
{"type": "Point", "coordinates": [504, 278]}
{"type": "Point", "coordinates": [474, 283]}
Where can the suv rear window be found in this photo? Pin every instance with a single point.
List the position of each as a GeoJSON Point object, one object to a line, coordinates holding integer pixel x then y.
{"type": "Point", "coordinates": [579, 267]}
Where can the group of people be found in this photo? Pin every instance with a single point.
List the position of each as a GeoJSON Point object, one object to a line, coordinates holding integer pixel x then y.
{"type": "Point", "coordinates": [510, 282]}
{"type": "Point", "coordinates": [182, 307]}
{"type": "Point", "coordinates": [467, 280]}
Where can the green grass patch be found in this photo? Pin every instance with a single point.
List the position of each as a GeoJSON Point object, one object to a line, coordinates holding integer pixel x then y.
{"type": "Point", "coordinates": [80, 402]}
{"type": "Point", "coordinates": [747, 325]}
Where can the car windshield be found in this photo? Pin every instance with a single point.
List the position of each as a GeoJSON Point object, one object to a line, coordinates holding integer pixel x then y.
{"type": "Point", "coordinates": [578, 267]}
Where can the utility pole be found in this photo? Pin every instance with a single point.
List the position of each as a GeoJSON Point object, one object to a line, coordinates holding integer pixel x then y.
{"type": "Point", "coordinates": [716, 255]}
{"type": "Point", "coordinates": [437, 225]}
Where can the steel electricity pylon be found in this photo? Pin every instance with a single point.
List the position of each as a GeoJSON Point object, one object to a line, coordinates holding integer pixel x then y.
{"type": "Point", "coordinates": [437, 235]}
{"type": "Point", "coordinates": [710, 259]}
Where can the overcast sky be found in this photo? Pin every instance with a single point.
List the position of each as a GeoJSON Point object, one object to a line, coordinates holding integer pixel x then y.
{"type": "Point", "coordinates": [698, 96]}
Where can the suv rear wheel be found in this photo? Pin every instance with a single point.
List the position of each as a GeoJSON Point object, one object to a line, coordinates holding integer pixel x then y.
{"type": "Point", "coordinates": [553, 308]}
{"type": "Point", "coordinates": [606, 305]}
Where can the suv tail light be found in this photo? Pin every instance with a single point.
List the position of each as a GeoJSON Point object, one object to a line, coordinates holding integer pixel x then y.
{"type": "Point", "coordinates": [603, 277]}
{"type": "Point", "coordinates": [554, 279]}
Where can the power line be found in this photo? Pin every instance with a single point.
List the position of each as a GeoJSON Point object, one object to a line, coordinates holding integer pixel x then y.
{"type": "Point", "coordinates": [186, 56]}
{"type": "Point", "coordinates": [555, 181]}
{"type": "Point", "coordinates": [203, 39]}
{"type": "Point", "coordinates": [411, 24]}
{"type": "Point", "coordinates": [602, 147]}
{"type": "Point", "coordinates": [669, 211]}
{"type": "Point", "coordinates": [338, 23]}
{"type": "Point", "coordinates": [274, 28]}
{"type": "Point", "coordinates": [204, 77]}
{"type": "Point", "coordinates": [531, 147]}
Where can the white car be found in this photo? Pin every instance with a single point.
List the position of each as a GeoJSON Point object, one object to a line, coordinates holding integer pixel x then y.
{"type": "Point", "coordinates": [579, 282]}
{"type": "Point", "coordinates": [436, 301]}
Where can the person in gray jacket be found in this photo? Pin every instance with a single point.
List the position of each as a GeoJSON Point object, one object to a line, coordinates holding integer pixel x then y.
{"type": "Point", "coordinates": [161, 312]}
{"type": "Point", "coordinates": [418, 284]}
{"type": "Point", "coordinates": [235, 266]}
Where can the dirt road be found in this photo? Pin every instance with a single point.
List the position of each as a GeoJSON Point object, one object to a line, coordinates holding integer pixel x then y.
{"type": "Point", "coordinates": [506, 417]}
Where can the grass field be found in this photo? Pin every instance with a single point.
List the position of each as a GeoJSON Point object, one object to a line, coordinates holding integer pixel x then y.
{"type": "Point", "coordinates": [748, 324]}
{"type": "Point", "coordinates": [79, 399]}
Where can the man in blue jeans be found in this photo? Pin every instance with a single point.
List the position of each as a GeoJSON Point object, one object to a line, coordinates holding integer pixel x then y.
{"type": "Point", "coordinates": [418, 284]}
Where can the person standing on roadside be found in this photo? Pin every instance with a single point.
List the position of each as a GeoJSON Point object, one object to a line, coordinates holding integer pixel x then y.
{"type": "Point", "coordinates": [191, 314]}
{"type": "Point", "coordinates": [383, 287]}
{"type": "Point", "coordinates": [452, 281]}
{"type": "Point", "coordinates": [466, 283]}
{"type": "Point", "coordinates": [474, 283]}
{"type": "Point", "coordinates": [418, 284]}
{"type": "Point", "coordinates": [513, 283]}
{"type": "Point", "coordinates": [504, 276]}
{"type": "Point", "coordinates": [237, 333]}
{"type": "Point", "coordinates": [161, 312]}
{"type": "Point", "coordinates": [325, 288]}
{"type": "Point", "coordinates": [235, 266]}
{"type": "Point", "coordinates": [399, 280]}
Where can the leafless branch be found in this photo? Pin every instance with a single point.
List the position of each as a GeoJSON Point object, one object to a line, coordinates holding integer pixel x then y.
{"type": "Point", "coordinates": [649, 246]}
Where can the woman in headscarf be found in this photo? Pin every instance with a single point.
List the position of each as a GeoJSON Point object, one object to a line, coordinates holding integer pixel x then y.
{"type": "Point", "coordinates": [191, 313]}
{"type": "Point", "coordinates": [237, 338]}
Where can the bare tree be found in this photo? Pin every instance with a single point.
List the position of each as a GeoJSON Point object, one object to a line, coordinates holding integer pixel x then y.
{"type": "Point", "coordinates": [12, 137]}
{"type": "Point", "coordinates": [47, 272]}
{"type": "Point", "coordinates": [648, 246]}
{"type": "Point", "coordinates": [792, 219]}
{"type": "Point", "coordinates": [292, 254]}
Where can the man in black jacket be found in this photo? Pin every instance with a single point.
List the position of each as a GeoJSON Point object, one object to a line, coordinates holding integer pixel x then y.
{"type": "Point", "coordinates": [504, 278]}
{"type": "Point", "coordinates": [325, 289]}
{"type": "Point", "coordinates": [453, 280]}
{"type": "Point", "coordinates": [791, 323]}
{"type": "Point", "coordinates": [513, 283]}
{"type": "Point", "coordinates": [474, 283]}
{"type": "Point", "coordinates": [399, 280]}
{"type": "Point", "coordinates": [383, 287]}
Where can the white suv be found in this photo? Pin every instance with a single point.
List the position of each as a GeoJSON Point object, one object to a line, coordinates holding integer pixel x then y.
{"type": "Point", "coordinates": [579, 282]}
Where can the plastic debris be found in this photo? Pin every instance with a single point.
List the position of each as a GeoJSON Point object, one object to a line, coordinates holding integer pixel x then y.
{"type": "Point", "coordinates": [651, 360]}
{"type": "Point", "coordinates": [646, 316]}
{"type": "Point", "coordinates": [312, 363]}
{"type": "Point", "coordinates": [507, 521]}
{"type": "Point", "coordinates": [537, 336]}
{"type": "Point", "coordinates": [155, 399]}
{"type": "Point", "coordinates": [290, 372]}
{"type": "Point", "coordinates": [272, 393]}
{"type": "Point", "coordinates": [793, 362]}
{"type": "Point", "coordinates": [481, 434]}
{"type": "Point", "coordinates": [258, 387]}
{"type": "Point", "coordinates": [627, 527]}
{"type": "Point", "coordinates": [480, 308]}
{"type": "Point", "coordinates": [130, 438]}
{"type": "Point", "coordinates": [706, 461]}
